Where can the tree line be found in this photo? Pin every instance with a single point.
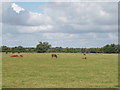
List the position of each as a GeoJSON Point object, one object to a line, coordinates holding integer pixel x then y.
{"type": "Point", "coordinates": [45, 47]}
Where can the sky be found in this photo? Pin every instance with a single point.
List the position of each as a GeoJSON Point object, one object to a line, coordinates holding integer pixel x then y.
{"type": "Point", "coordinates": [65, 24]}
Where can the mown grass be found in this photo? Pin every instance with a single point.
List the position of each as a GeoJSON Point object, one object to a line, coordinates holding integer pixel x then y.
{"type": "Point", "coordinates": [69, 70]}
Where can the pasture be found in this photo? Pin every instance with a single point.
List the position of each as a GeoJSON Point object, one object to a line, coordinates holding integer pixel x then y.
{"type": "Point", "coordinates": [69, 70]}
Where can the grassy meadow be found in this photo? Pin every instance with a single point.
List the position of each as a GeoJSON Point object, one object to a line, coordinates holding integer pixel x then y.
{"type": "Point", "coordinates": [69, 70]}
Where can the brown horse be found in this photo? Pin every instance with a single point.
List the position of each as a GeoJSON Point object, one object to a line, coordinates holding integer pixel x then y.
{"type": "Point", "coordinates": [84, 54]}
{"type": "Point", "coordinates": [14, 56]}
{"type": "Point", "coordinates": [54, 55]}
{"type": "Point", "coordinates": [21, 55]}
{"type": "Point", "coordinates": [84, 58]}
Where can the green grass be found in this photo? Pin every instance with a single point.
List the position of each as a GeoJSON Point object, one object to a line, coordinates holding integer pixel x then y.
{"type": "Point", "coordinates": [68, 71]}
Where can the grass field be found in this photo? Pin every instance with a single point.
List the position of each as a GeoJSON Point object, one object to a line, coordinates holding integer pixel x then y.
{"type": "Point", "coordinates": [69, 70]}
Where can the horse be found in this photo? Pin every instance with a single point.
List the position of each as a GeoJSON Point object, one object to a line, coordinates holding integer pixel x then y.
{"type": "Point", "coordinates": [21, 55]}
{"type": "Point", "coordinates": [84, 58]}
{"type": "Point", "coordinates": [14, 56]}
{"type": "Point", "coordinates": [54, 55]}
{"type": "Point", "coordinates": [84, 54]}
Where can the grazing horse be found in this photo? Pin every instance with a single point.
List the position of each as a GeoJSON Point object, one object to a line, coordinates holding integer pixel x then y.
{"type": "Point", "coordinates": [54, 55]}
{"type": "Point", "coordinates": [84, 58]}
{"type": "Point", "coordinates": [84, 54]}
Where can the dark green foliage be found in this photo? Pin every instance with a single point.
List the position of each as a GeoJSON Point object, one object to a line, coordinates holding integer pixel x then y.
{"type": "Point", "coordinates": [5, 49]}
{"type": "Point", "coordinates": [20, 49]}
{"type": "Point", "coordinates": [42, 47]}
{"type": "Point", "coordinates": [45, 47]}
{"type": "Point", "coordinates": [110, 48]}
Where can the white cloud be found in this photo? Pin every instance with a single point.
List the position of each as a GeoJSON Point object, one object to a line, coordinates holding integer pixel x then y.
{"type": "Point", "coordinates": [16, 8]}
{"type": "Point", "coordinates": [37, 19]}
{"type": "Point", "coordinates": [61, 23]}
{"type": "Point", "coordinates": [31, 29]}
{"type": "Point", "coordinates": [113, 36]}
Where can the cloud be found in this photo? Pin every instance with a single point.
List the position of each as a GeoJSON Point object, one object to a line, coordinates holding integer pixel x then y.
{"type": "Point", "coordinates": [77, 24]}
{"type": "Point", "coordinates": [11, 17]}
{"type": "Point", "coordinates": [31, 29]}
{"type": "Point", "coordinates": [16, 8]}
{"type": "Point", "coordinates": [15, 15]}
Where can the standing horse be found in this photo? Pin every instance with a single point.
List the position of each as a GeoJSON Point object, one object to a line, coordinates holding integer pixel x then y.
{"type": "Point", "coordinates": [54, 55]}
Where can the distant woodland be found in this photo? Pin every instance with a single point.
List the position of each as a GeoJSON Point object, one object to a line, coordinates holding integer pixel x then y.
{"type": "Point", "coordinates": [45, 47]}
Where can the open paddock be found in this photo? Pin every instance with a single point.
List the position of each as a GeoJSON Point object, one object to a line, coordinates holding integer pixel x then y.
{"type": "Point", "coordinates": [69, 70]}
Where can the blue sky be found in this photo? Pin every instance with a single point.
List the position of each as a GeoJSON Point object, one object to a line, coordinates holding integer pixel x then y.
{"type": "Point", "coordinates": [60, 23]}
{"type": "Point", "coordinates": [31, 6]}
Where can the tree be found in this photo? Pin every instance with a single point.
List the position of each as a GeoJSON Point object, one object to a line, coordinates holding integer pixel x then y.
{"type": "Point", "coordinates": [5, 49]}
{"type": "Point", "coordinates": [58, 49]}
{"type": "Point", "coordinates": [42, 47]}
{"type": "Point", "coordinates": [20, 49]}
{"type": "Point", "coordinates": [83, 50]}
{"type": "Point", "coordinates": [92, 50]}
{"type": "Point", "coordinates": [31, 50]}
{"type": "Point", "coordinates": [110, 48]}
